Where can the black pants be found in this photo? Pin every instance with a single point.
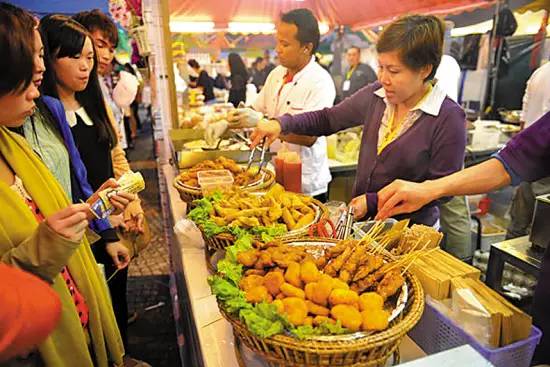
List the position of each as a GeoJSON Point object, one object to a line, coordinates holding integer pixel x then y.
{"type": "Point", "coordinates": [541, 311]}
{"type": "Point", "coordinates": [117, 288]}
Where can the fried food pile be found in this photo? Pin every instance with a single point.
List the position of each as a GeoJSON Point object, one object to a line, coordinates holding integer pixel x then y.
{"type": "Point", "coordinates": [312, 288]}
{"type": "Point", "coordinates": [277, 206]}
{"type": "Point", "coordinates": [241, 176]}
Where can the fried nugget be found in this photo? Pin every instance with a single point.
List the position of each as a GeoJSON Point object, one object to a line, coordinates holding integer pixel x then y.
{"type": "Point", "coordinates": [343, 296]}
{"type": "Point", "coordinates": [316, 309]}
{"type": "Point", "coordinates": [258, 294]}
{"type": "Point", "coordinates": [291, 291]}
{"type": "Point", "coordinates": [273, 281]}
{"type": "Point", "coordinates": [296, 310]}
{"type": "Point", "coordinates": [349, 316]}
{"type": "Point", "coordinates": [318, 292]}
{"type": "Point", "coordinates": [375, 320]}
{"type": "Point", "coordinates": [251, 281]}
{"type": "Point", "coordinates": [292, 274]}
{"type": "Point", "coordinates": [309, 272]}
{"type": "Point", "coordinates": [264, 260]}
{"type": "Point", "coordinates": [308, 321]}
{"type": "Point", "coordinates": [371, 301]}
{"type": "Point", "coordinates": [254, 272]}
{"type": "Point", "coordinates": [248, 258]}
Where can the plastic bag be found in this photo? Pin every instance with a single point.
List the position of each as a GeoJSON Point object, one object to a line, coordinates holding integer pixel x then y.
{"type": "Point", "coordinates": [188, 234]}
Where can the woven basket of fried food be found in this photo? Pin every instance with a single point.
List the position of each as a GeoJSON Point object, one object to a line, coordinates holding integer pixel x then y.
{"type": "Point", "coordinates": [315, 282]}
{"type": "Point", "coordinates": [275, 207]}
{"type": "Point", "coordinates": [188, 187]}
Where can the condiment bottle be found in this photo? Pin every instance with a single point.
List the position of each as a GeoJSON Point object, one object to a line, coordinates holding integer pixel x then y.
{"type": "Point", "coordinates": [292, 172]}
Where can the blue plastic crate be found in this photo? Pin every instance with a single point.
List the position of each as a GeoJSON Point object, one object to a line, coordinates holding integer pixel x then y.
{"type": "Point", "coordinates": [435, 333]}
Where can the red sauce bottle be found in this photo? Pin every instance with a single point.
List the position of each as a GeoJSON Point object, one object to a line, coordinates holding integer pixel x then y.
{"type": "Point", "coordinates": [292, 172]}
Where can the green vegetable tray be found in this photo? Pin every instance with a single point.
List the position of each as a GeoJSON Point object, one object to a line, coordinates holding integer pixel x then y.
{"type": "Point", "coordinates": [346, 350]}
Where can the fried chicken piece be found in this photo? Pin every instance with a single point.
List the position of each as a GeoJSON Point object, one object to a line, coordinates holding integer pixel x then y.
{"type": "Point", "coordinates": [316, 309]}
{"type": "Point", "coordinates": [320, 261]}
{"type": "Point", "coordinates": [372, 264]}
{"type": "Point", "coordinates": [375, 320]}
{"type": "Point", "coordinates": [251, 281]}
{"type": "Point", "coordinates": [258, 294]}
{"type": "Point", "coordinates": [264, 261]}
{"type": "Point", "coordinates": [318, 292]}
{"type": "Point", "coordinates": [348, 315]}
{"type": "Point", "coordinates": [254, 272]}
{"type": "Point", "coordinates": [291, 291]}
{"type": "Point", "coordinates": [334, 266]}
{"type": "Point", "coordinates": [371, 301]}
{"type": "Point", "coordinates": [292, 274]}
{"type": "Point", "coordinates": [351, 265]}
{"type": "Point", "coordinates": [343, 296]}
{"type": "Point", "coordinates": [273, 282]}
{"type": "Point", "coordinates": [248, 258]}
{"type": "Point", "coordinates": [371, 280]}
{"type": "Point", "coordinates": [334, 251]}
{"type": "Point", "coordinates": [309, 272]}
{"type": "Point", "coordinates": [296, 310]}
{"type": "Point", "coordinates": [390, 284]}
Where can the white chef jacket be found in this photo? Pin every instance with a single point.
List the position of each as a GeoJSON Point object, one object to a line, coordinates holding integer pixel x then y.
{"type": "Point", "coordinates": [536, 100]}
{"type": "Point", "coordinates": [448, 76]}
{"type": "Point", "coordinates": [311, 89]}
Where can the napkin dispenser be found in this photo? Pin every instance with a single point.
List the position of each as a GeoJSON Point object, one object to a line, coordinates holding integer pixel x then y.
{"type": "Point", "coordinates": [540, 228]}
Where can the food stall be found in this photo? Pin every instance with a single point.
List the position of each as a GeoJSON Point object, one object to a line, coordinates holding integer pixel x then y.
{"type": "Point", "coordinates": [214, 330]}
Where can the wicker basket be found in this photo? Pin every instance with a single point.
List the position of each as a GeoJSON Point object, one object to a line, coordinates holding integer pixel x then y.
{"type": "Point", "coordinates": [223, 240]}
{"type": "Point", "coordinates": [189, 194]}
{"type": "Point", "coordinates": [370, 351]}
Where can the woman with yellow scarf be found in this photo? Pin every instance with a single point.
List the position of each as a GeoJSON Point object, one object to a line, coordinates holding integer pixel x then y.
{"type": "Point", "coordinates": [40, 231]}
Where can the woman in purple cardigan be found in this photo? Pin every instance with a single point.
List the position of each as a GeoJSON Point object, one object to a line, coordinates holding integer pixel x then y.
{"type": "Point", "coordinates": [411, 129]}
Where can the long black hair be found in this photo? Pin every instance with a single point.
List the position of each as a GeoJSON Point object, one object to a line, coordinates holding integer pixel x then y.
{"type": "Point", "coordinates": [236, 65]}
{"type": "Point", "coordinates": [64, 37]}
{"type": "Point", "coordinates": [16, 49]}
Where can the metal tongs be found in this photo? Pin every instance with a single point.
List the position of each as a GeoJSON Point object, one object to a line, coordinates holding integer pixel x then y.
{"type": "Point", "coordinates": [262, 163]}
{"type": "Point", "coordinates": [344, 224]}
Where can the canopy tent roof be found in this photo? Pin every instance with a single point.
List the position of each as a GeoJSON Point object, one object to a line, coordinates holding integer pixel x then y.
{"type": "Point", "coordinates": [353, 13]}
{"type": "Point", "coordinates": [67, 7]}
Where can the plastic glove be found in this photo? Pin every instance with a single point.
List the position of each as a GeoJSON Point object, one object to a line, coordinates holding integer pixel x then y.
{"type": "Point", "coordinates": [214, 132]}
{"type": "Point", "coordinates": [243, 117]}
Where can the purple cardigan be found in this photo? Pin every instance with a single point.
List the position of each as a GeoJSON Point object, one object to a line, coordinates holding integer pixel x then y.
{"type": "Point", "coordinates": [432, 147]}
{"type": "Point", "coordinates": [527, 156]}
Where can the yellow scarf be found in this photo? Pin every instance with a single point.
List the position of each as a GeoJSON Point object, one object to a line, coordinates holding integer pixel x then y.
{"type": "Point", "coordinates": [66, 346]}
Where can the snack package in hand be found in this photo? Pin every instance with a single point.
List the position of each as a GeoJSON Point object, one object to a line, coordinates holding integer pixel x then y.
{"type": "Point", "coordinates": [130, 182]}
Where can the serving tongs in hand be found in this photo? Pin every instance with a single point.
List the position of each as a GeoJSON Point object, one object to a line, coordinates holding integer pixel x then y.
{"type": "Point", "coordinates": [263, 162]}
{"type": "Point", "coordinates": [345, 223]}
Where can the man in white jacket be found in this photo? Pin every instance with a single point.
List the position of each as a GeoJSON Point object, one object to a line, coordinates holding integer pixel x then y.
{"type": "Point", "coordinates": [297, 85]}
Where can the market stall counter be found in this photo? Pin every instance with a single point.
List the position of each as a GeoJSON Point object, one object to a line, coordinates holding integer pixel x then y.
{"type": "Point", "coordinates": [208, 336]}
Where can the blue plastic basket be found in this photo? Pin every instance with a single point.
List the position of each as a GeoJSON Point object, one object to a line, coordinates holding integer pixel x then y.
{"type": "Point", "coordinates": [435, 333]}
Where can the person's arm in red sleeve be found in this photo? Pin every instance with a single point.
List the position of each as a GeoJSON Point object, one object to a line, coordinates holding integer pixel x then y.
{"type": "Point", "coordinates": [29, 312]}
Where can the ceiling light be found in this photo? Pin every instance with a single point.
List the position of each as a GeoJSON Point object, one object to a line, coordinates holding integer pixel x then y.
{"type": "Point", "coordinates": [177, 26]}
{"type": "Point", "coordinates": [247, 27]}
